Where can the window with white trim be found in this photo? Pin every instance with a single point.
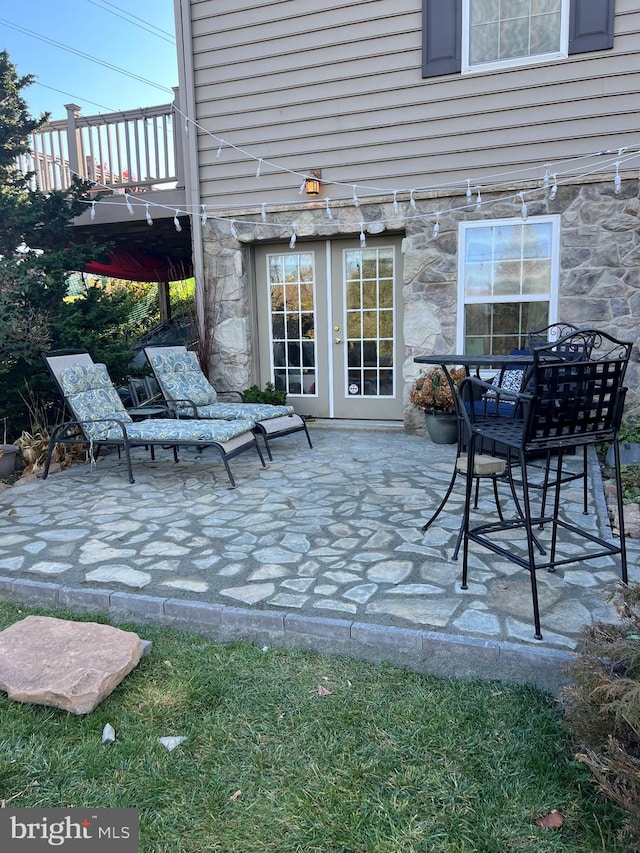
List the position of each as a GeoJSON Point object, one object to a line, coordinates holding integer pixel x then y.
{"type": "Point", "coordinates": [508, 282]}
{"type": "Point", "coordinates": [479, 35]}
{"type": "Point", "coordinates": [506, 33]}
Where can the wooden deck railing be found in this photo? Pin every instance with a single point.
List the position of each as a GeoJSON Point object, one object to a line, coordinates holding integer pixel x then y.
{"type": "Point", "coordinates": [132, 151]}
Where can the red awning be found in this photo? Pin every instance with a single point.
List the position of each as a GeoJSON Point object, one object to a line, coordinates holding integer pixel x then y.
{"type": "Point", "coordinates": [134, 265]}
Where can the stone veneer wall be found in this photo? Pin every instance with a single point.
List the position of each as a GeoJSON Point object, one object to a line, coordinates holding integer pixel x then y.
{"type": "Point", "coordinates": [599, 286]}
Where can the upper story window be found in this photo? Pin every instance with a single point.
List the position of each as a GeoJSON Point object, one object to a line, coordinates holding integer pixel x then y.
{"type": "Point", "coordinates": [503, 33]}
{"type": "Point", "coordinates": [479, 35]}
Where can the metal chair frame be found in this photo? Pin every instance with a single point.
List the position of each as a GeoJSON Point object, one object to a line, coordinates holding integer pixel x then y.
{"type": "Point", "coordinates": [569, 403]}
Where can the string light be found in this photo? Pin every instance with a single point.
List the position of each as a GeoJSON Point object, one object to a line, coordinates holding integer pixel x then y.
{"type": "Point", "coordinates": [436, 226]}
{"type": "Point", "coordinates": [469, 194]}
{"type": "Point", "coordinates": [93, 210]}
{"type": "Point", "coordinates": [554, 189]}
{"type": "Point", "coordinates": [292, 241]}
{"type": "Point", "coordinates": [395, 201]}
{"type": "Point", "coordinates": [147, 215]}
{"type": "Point", "coordinates": [259, 169]}
{"type": "Point", "coordinates": [617, 181]}
{"type": "Point", "coordinates": [412, 200]}
{"type": "Point", "coordinates": [234, 232]}
{"type": "Point", "coordinates": [545, 180]}
{"type": "Point", "coordinates": [302, 185]}
{"type": "Point", "coordinates": [363, 237]}
{"type": "Point", "coordinates": [523, 207]}
{"type": "Point", "coordinates": [203, 215]}
{"type": "Point", "coordinates": [263, 212]}
{"type": "Point", "coordinates": [176, 221]}
{"type": "Point", "coordinates": [355, 200]}
{"type": "Point", "coordinates": [219, 151]}
{"type": "Point", "coordinates": [128, 203]}
{"type": "Point", "coordinates": [327, 211]}
{"type": "Point", "coordinates": [478, 200]}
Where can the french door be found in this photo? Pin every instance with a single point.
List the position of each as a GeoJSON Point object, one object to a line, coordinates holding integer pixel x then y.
{"type": "Point", "coordinates": [330, 326]}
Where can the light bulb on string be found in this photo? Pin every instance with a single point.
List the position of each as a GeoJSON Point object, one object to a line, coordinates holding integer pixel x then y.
{"type": "Point", "coordinates": [356, 202]}
{"type": "Point", "coordinates": [469, 194]}
{"type": "Point", "coordinates": [617, 181]}
{"type": "Point", "coordinates": [554, 188]}
{"type": "Point", "coordinates": [259, 169]}
{"type": "Point", "coordinates": [523, 207]}
{"type": "Point", "coordinates": [363, 236]}
{"type": "Point", "coordinates": [327, 210]}
{"type": "Point", "coordinates": [147, 215]}
{"type": "Point", "coordinates": [186, 127]}
{"type": "Point", "coordinates": [128, 203]}
{"type": "Point", "coordinates": [436, 226]}
{"type": "Point", "coordinates": [176, 221]}
{"type": "Point", "coordinates": [203, 215]}
{"type": "Point", "coordinates": [412, 200]}
{"type": "Point", "coordinates": [263, 212]}
{"type": "Point", "coordinates": [234, 232]}
{"type": "Point", "coordinates": [302, 185]}
{"type": "Point", "coordinates": [545, 180]}
{"type": "Point", "coordinates": [219, 152]}
{"type": "Point", "coordinates": [92, 213]}
{"type": "Point", "coordinates": [478, 200]}
{"type": "Point", "coordinates": [292, 241]}
{"type": "Point", "coordinates": [395, 201]}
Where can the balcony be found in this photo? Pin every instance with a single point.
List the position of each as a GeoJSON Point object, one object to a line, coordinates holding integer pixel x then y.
{"type": "Point", "coordinates": [134, 154]}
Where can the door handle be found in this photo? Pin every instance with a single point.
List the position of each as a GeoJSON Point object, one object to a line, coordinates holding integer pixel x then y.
{"type": "Point", "coordinates": [337, 340]}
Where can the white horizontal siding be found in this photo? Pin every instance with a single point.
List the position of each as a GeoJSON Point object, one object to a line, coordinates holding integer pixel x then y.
{"type": "Point", "coordinates": [340, 88]}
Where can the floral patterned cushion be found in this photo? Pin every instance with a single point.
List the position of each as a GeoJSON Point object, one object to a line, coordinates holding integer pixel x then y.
{"type": "Point", "coordinates": [92, 397]}
{"type": "Point", "coordinates": [181, 378]}
{"type": "Point", "coordinates": [255, 411]}
{"type": "Point", "coordinates": [176, 430]}
{"type": "Point", "coordinates": [94, 401]}
{"type": "Point", "coordinates": [509, 380]}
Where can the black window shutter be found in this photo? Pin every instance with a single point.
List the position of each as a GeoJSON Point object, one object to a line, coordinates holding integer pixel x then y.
{"type": "Point", "coordinates": [591, 25]}
{"type": "Point", "coordinates": [441, 37]}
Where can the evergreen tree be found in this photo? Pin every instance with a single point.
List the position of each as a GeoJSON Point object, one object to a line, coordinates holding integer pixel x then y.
{"type": "Point", "coordinates": [37, 254]}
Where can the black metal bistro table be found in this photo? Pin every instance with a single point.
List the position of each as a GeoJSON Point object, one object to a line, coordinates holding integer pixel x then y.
{"type": "Point", "coordinates": [472, 364]}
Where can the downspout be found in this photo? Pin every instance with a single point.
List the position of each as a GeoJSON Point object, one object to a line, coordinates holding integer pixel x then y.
{"type": "Point", "coordinates": [187, 104]}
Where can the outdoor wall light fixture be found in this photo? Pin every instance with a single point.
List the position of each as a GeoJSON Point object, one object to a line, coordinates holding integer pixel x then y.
{"type": "Point", "coordinates": [312, 182]}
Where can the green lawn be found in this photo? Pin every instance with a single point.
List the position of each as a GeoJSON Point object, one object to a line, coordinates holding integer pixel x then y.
{"type": "Point", "coordinates": [386, 761]}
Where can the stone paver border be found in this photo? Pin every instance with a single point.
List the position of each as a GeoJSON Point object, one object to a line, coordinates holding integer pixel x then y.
{"type": "Point", "coordinates": [424, 651]}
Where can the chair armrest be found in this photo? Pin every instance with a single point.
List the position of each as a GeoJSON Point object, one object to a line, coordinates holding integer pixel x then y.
{"type": "Point", "coordinates": [238, 395]}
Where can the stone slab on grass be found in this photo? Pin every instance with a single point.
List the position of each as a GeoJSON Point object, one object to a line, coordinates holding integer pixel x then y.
{"type": "Point", "coordinates": [65, 664]}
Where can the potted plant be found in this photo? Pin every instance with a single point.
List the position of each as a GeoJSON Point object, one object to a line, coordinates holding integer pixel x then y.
{"type": "Point", "coordinates": [433, 394]}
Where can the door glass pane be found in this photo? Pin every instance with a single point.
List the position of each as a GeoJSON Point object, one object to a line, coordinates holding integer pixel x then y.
{"type": "Point", "coordinates": [292, 307]}
{"type": "Point", "coordinates": [369, 322]}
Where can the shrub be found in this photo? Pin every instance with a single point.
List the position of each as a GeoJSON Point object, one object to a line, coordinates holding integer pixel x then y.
{"type": "Point", "coordinates": [255, 394]}
{"type": "Point", "coordinates": [603, 708]}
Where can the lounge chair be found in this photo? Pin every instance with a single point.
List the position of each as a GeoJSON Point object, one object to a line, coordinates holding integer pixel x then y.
{"type": "Point", "coordinates": [188, 391]}
{"type": "Point", "coordinates": [100, 418]}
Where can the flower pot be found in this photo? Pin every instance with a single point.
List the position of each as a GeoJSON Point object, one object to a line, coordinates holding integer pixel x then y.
{"type": "Point", "coordinates": [442, 427]}
{"type": "Point", "coordinates": [8, 459]}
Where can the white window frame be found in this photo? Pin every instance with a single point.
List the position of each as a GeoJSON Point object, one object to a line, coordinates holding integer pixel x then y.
{"type": "Point", "coordinates": [466, 228]}
{"type": "Point", "coordinates": [517, 61]}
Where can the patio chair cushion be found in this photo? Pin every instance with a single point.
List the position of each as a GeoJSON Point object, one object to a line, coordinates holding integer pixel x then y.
{"type": "Point", "coordinates": [181, 378]}
{"type": "Point", "coordinates": [255, 411]}
{"type": "Point", "coordinates": [93, 399]}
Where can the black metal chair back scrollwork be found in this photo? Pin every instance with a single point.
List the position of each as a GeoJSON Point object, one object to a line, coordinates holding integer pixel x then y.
{"type": "Point", "coordinates": [574, 398]}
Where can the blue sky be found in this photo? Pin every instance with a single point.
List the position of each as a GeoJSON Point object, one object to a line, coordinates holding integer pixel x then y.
{"type": "Point", "coordinates": [135, 36]}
